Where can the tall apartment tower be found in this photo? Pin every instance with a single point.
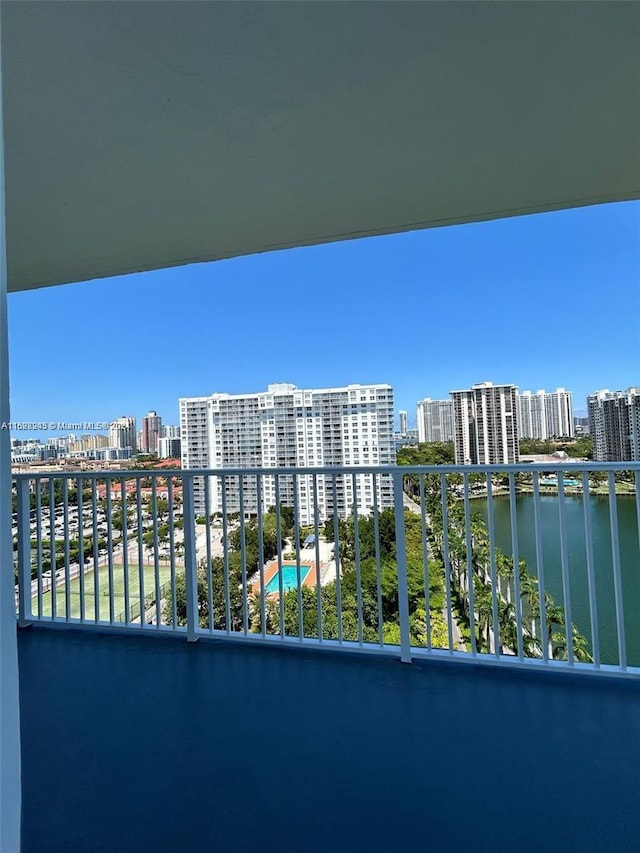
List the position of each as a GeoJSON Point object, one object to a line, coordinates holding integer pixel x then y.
{"type": "Point", "coordinates": [194, 443]}
{"type": "Point", "coordinates": [288, 427]}
{"type": "Point", "coordinates": [614, 424]}
{"type": "Point", "coordinates": [485, 425]}
{"type": "Point", "coordinates": [404, 426]}
{"type": "Point", "coordinates": [169, 448]}
{"type": "Point", "coordinates": [545, 415]}
{"type": "Point", "coordinates": [122, 432]}
{"type": "Point", "coordinates": [532, 420]}
{"type": "Point", "coordinates": [151, 432]}
{"type": "Point", "coordinates": [559, 414]}
{"type": "Point", "coordinates": [435, 420]}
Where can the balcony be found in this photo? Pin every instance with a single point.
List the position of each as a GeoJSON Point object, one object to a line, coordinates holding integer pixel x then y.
{"type": "Point", "coordinates": [292, 720]}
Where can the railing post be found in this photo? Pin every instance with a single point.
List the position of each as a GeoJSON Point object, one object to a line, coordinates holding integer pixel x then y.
{"type": "Point", "coordinates": [401, 559]}
{"type": "Point", "coordinates": [190, 559]}
{"type": "Point", "coordinates": [24, 554]}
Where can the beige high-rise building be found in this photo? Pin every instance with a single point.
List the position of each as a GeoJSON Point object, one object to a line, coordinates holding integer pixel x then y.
{"type": "Point", "coordinates": [122, 432]}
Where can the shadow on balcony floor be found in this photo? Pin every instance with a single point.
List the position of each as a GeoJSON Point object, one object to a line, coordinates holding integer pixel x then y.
{"type": "Point", "coordinates": [137, 743]}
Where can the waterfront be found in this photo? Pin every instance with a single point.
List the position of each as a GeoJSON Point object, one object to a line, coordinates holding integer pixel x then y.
{"type": "Point", "coordinates": [551, 560]}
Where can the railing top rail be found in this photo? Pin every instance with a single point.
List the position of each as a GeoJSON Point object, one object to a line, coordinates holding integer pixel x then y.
{"type": "Point", "coordinates": [518, 468]}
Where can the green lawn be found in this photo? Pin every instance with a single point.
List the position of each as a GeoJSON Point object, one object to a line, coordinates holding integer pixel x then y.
{"type": "Point", "coordinates": [103, 586]}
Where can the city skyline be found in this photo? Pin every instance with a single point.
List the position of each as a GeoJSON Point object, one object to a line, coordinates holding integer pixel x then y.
{"type": "Point", "coordinates": [516, 301]}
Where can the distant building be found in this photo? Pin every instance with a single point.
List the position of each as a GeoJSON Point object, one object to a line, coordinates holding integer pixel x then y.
{"type": "Point", "coordinates": [485, 425]}
{"type": "Point", "coordinates": [111, 453]}
{"type": "Point", "coordinates": [169, 448]}
{"type": "Point", "coordinates": [403, 422]}
{"type": "Point", "coordinates": [122, 433]}
{"type": "Point", "coordinates": [88, 442]}
{"type": "Point", "coordinates": [614, 424]}
{"type": "Point", "coordinates": [194, 443]}
{"type": "Point", "coordinates": [435, 420]}
{"type": "Point", "coordinates": [581, 426]}
{"type": "Point", "coordinates": [151, 432]}
{"type": "Point", "coordinates": [170, 431]}
{"type": "Point", "coordinates": [545, 414]}
{"type": "Point", "coordinates": [286, 426]}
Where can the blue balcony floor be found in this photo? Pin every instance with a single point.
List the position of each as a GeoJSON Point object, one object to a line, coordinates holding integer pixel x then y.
{"type": "Point", "coordinates": [142, 743]}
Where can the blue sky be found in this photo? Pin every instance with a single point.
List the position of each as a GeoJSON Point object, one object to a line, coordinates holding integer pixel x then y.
{"type": "Point", "coordinates": [541, 301]}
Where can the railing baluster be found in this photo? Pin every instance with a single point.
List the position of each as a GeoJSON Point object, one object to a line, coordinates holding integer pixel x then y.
{"type": "Point", "coordinates": [80, 516]}
{"type": "Point", "coordinates": [225, 533]}
{"type": "Point", "coordinates": [67, 567]}
{"type": "Point", "coordinates": [591, 577]}
{"type": "Point", "coordinates": [190, 560]}
{"type": "Point", "coordinates": [376, 536]}
{"type": "Point", "coordinates": [143, 608]}
{"type": "Point", "coordinates": [38, 488]}
{"type": "Point", "coordinates": [209, 571]}
{"type": "Point", "coordinates": [316, 531]}
{"type": "Point", "coordinates": [470, 570]}
{"type": "Point", "coordinates": [617, 577]}
{"type": "Point", "coordinates": [401, 560]}
{"type": "Point", "coordinates": [259, 507]}
{"type": "Point", "coordinates": [356, 540]}
{"type": "Point", "coordinates": [53, 560]}
{"type": "Point", "coordinates": [243, 561]}
{"type": "Point", "coordinates": [279, 549]}
{"type": "Point", "coordinates": [96, 551]}
{"type": "Point", "coordinates": [24, 552]}
{"type": "Point", "coordinates": [447, 558]}
{"type": "Point", "coordinates": [110, 550]}
{"type": "Point", "coordinates": [493, 569]}
{"type": "Point", "coordinates": [172, 552]}
{"type": "Point", "coordinates": [156, 549]}
{"type": "Point", "coordinates": [336, 554]}
{"type": "Point", "coordinates": [125, 548]}
{"type": "Point", "coordinates": [296, 548]}
{"type": "Point", "coordinates": [513, 515]}
{"type": "Point", "coordinates": [564, 559]}
{"type": "Point", "coordinates": [425, 559]}
{"type": "Point", "coordinates": [542, 593]}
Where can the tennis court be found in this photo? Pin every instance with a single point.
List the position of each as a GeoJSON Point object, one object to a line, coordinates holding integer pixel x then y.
{"type": "Point", "coordinates": [119, 601]}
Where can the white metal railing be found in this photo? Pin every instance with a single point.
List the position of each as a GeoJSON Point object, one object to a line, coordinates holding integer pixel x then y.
{"type": "Point", "coordinates": [532, 565]}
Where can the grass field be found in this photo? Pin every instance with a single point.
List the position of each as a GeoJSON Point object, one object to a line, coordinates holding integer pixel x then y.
{"type": "Point", "coordinates": [103, 597]}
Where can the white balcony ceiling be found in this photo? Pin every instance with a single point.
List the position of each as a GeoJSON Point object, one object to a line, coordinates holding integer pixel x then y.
{"type": "Point", "coordinates": [142, 135]}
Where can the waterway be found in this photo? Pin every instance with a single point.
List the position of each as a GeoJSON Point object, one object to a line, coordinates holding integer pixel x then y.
{"type": "Point", "coordinates": [551, 560]}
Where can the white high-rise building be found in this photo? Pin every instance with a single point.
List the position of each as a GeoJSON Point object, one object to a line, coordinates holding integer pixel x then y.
{"type": "Point", "coordinates": [435, 420]}
{"type": "Point", "coordinates": [289, 427]}
{"type": "Point", "coordinates": [169, 448]}
{"type": "Point", "coordinates": [194, 443]}
{"type": "Point", "coordinates": [614, 424]}
{"type": "Point", "coordinates": [122, 433]}
{"type": "Point", "coordinates": [404, 426]}
{"type": "Point", "coordinates": [545, 415]}
{"type": "Point", "coordinates": [532, 422]}
{"type": "Point", "coordinates": [485, 424]}
{"type": "Point", "coordinates": [559, 414]}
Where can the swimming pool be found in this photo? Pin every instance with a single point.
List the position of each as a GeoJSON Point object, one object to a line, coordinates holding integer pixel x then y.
{"type": "Point", "coordinates": [289, 578]}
